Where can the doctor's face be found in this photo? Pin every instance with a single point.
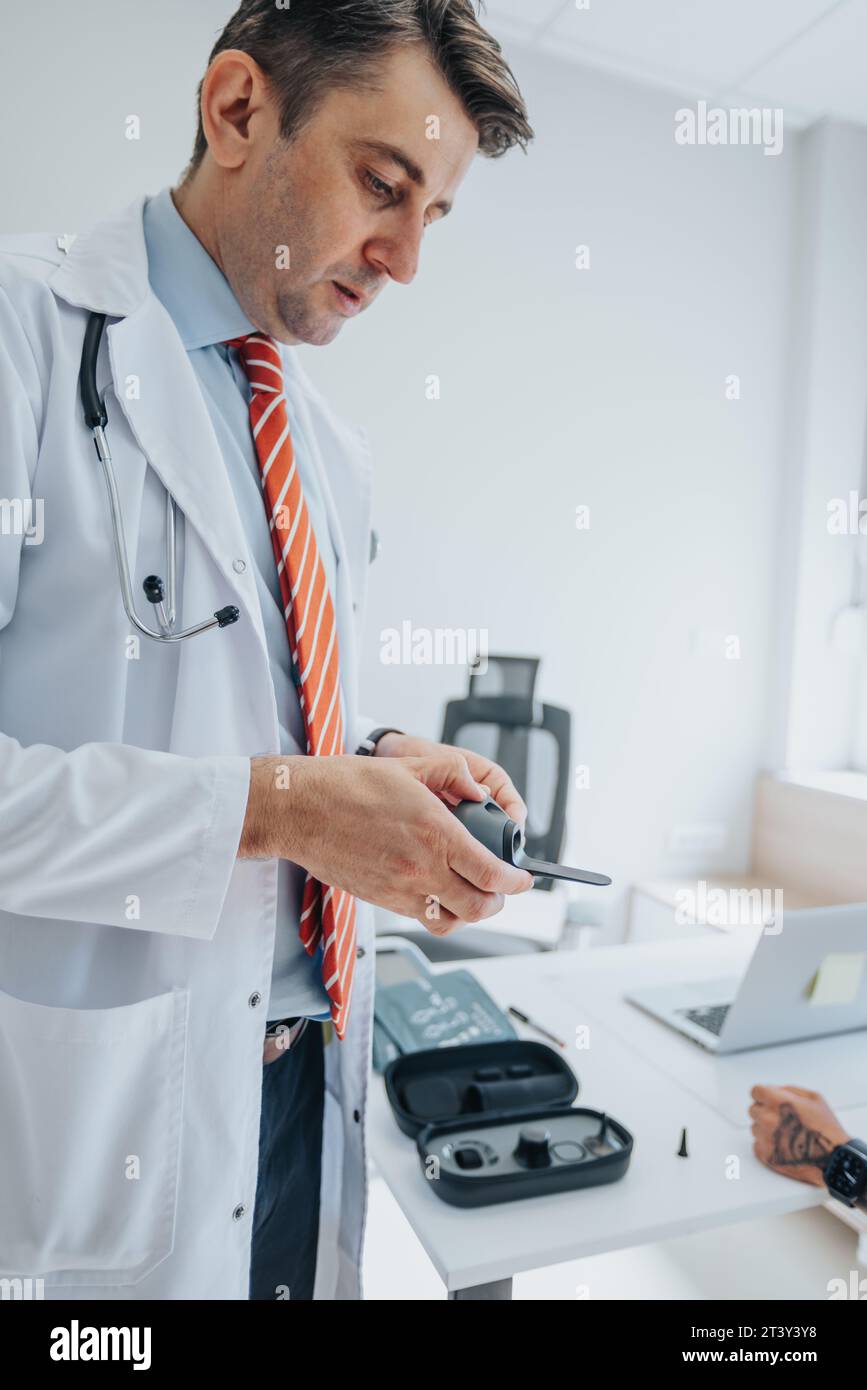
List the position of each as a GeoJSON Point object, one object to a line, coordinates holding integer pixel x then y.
{"type": "Point", "coordinates": [314, 230]}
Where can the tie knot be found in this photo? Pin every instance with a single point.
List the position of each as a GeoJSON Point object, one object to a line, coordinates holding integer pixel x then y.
{"type": "Point", "coordinates": [262, 361]}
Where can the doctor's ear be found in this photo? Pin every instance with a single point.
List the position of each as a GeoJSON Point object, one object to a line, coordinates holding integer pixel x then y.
{"type": "Point", "coordinates": [237, 108]}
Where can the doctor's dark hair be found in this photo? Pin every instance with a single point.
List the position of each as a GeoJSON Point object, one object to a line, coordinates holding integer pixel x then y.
{"type": "Point", "coordinates": [308, 47]}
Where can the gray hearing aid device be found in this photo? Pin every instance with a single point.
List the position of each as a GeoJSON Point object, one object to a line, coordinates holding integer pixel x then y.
{"type": "Point", "coordinates": [489, 824]}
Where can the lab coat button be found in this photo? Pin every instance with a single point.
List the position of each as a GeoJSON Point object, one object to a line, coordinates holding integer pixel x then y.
{"type": "Point", "coordinates": [255, 1000]}
{"type": "Point", "coordinates": [360, 952]}
{"type": "Point", "coordinates": [239, 1211]}
{"type": "Point", "coordinates": [356, 1115]}
{"type": "Point", "coordinates": [238, 566]}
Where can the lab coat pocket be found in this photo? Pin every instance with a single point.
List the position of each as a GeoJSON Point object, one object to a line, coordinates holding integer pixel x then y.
{"type": "Point", "coordinates": [91, 1103]}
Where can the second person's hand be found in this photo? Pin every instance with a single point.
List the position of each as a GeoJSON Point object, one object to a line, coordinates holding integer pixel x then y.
{"type": "Point", "coordinates": [795, 1131]}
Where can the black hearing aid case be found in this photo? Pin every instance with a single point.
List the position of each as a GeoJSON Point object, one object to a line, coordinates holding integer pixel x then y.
{"type": "Point", "coordinates": [495, 1122]}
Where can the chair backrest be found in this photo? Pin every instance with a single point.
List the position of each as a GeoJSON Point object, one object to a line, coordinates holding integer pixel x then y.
{"type": "Point", "coordinates": [501, 719]}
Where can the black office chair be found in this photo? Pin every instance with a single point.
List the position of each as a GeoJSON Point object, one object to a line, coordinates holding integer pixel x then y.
{"type": "Point", "coordinates": [500, 718]}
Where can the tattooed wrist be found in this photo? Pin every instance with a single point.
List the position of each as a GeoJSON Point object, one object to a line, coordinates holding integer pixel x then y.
{"type": "Point", "coordinates": [796, 1146]}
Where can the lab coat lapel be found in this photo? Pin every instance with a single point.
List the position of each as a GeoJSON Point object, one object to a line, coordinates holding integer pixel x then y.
{"type": "Point", "coordinates": [105, 271]}
{"type": "Point", "coordinates": [159, 394]}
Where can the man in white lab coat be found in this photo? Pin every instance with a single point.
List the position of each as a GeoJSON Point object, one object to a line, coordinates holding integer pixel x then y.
{"type": "Point", "coordinates": [178, 864]}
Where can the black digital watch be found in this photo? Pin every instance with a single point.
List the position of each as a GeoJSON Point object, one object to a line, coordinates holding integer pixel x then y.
{"type": "Point", "coordinates": [367, 746]}
{"type": "Point", "coordinates": [846, 1172]}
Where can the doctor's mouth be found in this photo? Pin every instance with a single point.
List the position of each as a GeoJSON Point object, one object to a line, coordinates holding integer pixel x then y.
{"type": "Point", "coordinates": [351, 300]}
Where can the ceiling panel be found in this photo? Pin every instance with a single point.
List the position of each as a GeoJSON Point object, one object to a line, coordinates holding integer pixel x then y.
{"type": "Point", "coordinates": [701, 41]}
{"type": "Point", "coordinates": [809, 56]}
{"type": "Point", "coordinates": [826, 71]}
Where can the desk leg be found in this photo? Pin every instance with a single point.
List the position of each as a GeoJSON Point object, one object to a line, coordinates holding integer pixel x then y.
{"type": "Point", "coordinates": [499, 1290]}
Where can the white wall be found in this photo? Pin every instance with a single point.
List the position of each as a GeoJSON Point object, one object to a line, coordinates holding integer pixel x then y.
{"type": "Point", "coordinates": [559, 388]}
{"type": "Point", "coordinates": [823, 639]}
{"type": "Point", "coordinates": [70, 75]}
{"type": "Point", "coordinates": [604, 388]}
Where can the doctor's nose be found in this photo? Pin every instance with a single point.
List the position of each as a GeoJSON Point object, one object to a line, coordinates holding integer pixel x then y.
{"type": "Point", "coordinates": [397, 256]}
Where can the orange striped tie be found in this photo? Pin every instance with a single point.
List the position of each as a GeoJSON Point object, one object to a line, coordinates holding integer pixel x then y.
{"type": "Point", "coordinates": [327, 914]}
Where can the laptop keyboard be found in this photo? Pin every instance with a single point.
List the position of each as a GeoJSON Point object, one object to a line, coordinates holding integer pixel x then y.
{"type": "Point", "coordinates": [710, 1016]}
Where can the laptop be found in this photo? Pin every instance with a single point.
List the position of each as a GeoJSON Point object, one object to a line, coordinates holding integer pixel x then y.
{"type": "Point", "coordinates": [807, 978]}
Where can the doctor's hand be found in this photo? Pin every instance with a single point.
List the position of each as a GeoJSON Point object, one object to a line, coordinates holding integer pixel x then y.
{"type": "Point", "coordinates": [491, 775]}
{"type": "Point", "coordinates": [381, 829]}
{"type": "Point", "coordinates": [795, 1131]}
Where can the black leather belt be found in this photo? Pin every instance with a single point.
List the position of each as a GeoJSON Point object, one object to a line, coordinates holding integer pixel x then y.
{"type": "Point", "coordinates": [273, 1027]}
{"type": "Point", "coordinates": [281, 1035]}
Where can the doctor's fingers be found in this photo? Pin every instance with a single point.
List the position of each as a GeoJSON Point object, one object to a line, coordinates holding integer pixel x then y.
{"type": "Point", "coordinates": [479, 867]}
{"type": "Point", "coordinates": [458, 904]}
{"type": "Point", "coordinates": [500, 785]}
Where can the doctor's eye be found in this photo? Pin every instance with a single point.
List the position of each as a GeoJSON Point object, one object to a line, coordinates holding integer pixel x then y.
{"type": "Point", "coordinates": [380, 189]}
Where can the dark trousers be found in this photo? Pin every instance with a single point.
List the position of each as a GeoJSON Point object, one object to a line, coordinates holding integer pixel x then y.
{"type": "Point", "coordinates": [286, 1212]}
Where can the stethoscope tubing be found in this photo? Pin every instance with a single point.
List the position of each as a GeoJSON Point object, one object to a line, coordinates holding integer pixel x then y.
{"type": "Point", "coordinates": [96, 418]}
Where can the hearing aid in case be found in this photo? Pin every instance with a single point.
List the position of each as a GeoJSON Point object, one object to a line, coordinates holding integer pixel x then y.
{"type": "Point", "coordinates": [506, 1157]}
{"type": "Point", "coordinates": [489, 824]}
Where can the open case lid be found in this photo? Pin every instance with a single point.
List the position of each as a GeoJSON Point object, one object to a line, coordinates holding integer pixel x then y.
{"type": "Point", "coordinates": [485, 1079]}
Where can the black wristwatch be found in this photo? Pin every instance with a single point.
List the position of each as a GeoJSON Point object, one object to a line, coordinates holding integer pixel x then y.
{"type": "Point", "coordinates": [367, 746]}
{"type": "Point", "coordinates": [846, 1172]}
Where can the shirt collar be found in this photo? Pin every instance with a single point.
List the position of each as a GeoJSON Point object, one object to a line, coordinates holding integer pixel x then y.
{"type": "Point", "coordinates": [188, 281]}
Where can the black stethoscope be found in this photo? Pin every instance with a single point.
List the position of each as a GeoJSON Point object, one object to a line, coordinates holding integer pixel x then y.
{"type": "Point", "coordinates": [161, 594]}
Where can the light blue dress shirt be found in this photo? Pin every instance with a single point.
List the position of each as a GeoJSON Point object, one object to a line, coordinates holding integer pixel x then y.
{"type": "Point", "coordinates": [206, 314]}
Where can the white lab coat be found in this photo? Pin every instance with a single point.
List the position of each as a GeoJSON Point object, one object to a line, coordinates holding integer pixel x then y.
{"type": "Point", "coordinates": [135, 950]}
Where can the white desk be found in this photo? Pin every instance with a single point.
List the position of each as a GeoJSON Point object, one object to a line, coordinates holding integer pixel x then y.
{"type": "Point", "coordinates": [652, 1080]}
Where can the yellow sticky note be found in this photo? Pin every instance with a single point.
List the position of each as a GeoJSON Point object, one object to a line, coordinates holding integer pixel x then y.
{"type": "Point", "coordinates": [838, 979]}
